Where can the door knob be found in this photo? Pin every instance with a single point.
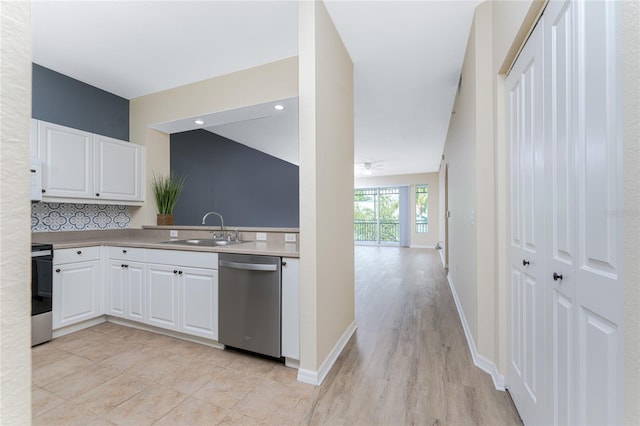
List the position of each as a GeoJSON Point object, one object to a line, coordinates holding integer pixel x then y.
{"type": "Point", "coordinates": [557, 276]}
{"type": "Point", "coordinates": [525, 262]}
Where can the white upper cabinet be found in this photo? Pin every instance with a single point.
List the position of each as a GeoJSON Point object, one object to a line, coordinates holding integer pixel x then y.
{"type": "Point", "coordinates": [83, 167]}
{"type": "Point", "coordinates": [117, 169]}
{"type": "Point", "coordinates": [33, 139]}
{"type": "Point", "coordinates": [67, 156]}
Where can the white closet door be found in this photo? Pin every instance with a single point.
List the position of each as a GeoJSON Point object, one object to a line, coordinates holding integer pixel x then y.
{"type": "Point", "coordinates": [527, 201]}
{"type": "Point", "coordinates": [598, 279]}
{"type": "Point", "coordinates": [561, 175]}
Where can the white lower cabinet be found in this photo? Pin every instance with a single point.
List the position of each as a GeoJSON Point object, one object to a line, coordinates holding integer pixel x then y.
{"type": "Point", "coordinates": [162, 296]}
{"type": "Point", "coordinates": [76, 286]}
{"type": "Point", "coordinates": [182, 292]}
{"type": "Point", "coordinates": [126, 290]}
{"type": "Point", "coordinates": [291, 308]}
{"type": "Point", "coordinates": [135, 291]}
{"type": "Point", "coordinates": [170, 289]}
{"type": "Point", "coordinates": [199, 302]}
{"type": "Point", "coordinates": [125, 283]}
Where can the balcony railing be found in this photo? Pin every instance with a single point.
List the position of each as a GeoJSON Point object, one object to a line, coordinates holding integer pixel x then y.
{"type": "Point", "coordinates": [422, 226]}
{"type": "Point", "coordinates": [388, 231]}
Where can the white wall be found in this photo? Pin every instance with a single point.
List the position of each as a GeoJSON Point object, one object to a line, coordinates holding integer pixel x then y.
{"type": "Point", "coordinates": [423, 239]}
{"type": "Point", "coordinates": [476, 161]}
{"type": "Point", "coordinates": [15, 206]}
{"type": "Point", "coordinates": [326, 188]}
{"type": "Point", "coordinates": [459, 157]}
{"type": "Point", "coordinates": [631, 156]}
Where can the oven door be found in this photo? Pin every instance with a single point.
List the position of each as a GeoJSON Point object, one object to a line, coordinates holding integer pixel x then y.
{"type": "Point", "coordinates": [41, 282]}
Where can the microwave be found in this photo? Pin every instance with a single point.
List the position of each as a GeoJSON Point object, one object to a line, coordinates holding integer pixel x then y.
{"type": "Point", "coordinates": [36, 179]}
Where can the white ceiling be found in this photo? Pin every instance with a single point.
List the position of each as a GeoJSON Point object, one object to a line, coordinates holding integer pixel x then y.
{"type": "Point", "coordinates": [407, 58]}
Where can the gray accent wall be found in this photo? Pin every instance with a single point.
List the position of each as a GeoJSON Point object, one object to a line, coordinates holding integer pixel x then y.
{"type": "Point", "coordinates": [60, 99]}
{"type": "Point", "coordinates": [246, 186]}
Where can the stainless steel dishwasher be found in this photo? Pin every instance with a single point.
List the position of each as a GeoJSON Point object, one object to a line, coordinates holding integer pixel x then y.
{"type": "Point", "coordinates": [249, 294]}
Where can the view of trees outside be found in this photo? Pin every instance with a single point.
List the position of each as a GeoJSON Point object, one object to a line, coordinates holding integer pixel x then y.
{"type": "Point", "coordinates": [376, 214]}
{"type": "Point", "coordinates": [422, 208]}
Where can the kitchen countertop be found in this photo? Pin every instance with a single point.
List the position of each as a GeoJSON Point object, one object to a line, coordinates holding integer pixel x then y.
{"type": "Point", "coordinates": [155, 240]}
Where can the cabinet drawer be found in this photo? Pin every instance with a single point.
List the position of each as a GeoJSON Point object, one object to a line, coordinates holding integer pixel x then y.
{"type": "Point", "coordinates": [127, 253]}
{"type": "Point", "coordinates": [79, 254]}
{"type": "Point", "coordinates": [193, 259]}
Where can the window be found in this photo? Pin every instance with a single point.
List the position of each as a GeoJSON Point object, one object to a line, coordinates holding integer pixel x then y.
{"type": "Point", "coordinates": [376, 215]}
{"type": "Point", "coordinates": [422, 208]}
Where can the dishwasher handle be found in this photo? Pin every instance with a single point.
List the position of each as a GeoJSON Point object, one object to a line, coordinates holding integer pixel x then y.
{"type": "Point", "coordinates": [249, 266]}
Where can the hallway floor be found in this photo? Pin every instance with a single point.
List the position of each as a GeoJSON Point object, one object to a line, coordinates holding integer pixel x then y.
{"type": "Point", "coordinates": [408, 363]}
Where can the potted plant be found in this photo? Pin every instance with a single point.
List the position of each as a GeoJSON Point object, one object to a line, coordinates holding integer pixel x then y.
{"type": "Point", "coordinates": [166, 189]}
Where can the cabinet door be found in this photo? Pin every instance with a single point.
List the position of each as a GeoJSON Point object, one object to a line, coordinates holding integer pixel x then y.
{"type": "Point", "coordinates": [162, 296]}
{"type": "Point", "coordinates": [33, 139]}
{"type": "Point", "coordinates": [117, 169]}
{"type": "Point", "coordinates": [135, 291]}
{"type": "Point", "coordinates": [76, 293]}
{"type": "Point", "coordinates": [116, 281]}
{"type": "Point", "coordinates": [67, 156]}
{"type": "Point", "coordinates": [199, 302]}
{"type": "Point", "coordinates": [291, 308]}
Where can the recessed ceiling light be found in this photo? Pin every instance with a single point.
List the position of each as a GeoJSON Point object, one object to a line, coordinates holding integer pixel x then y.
{"type": "Point", "coordinates": [279, 107]}
{"type": "Point", "coordinates": [199, 122]}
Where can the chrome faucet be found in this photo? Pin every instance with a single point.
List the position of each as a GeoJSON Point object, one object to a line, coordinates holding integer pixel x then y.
{"type": "Point", "coordinates": [221, 222]}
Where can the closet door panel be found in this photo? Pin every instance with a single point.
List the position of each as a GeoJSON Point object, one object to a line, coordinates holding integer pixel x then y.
{"type": "Point", "coordinates": [598, 276]}
{"type": "Point", "coordinates": [560, 115]}
{"type": "Point", "coordinates": [527, 201]}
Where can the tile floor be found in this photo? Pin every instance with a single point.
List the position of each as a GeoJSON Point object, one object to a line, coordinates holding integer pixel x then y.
{"type": "Point", "coordinates": [111, 374]}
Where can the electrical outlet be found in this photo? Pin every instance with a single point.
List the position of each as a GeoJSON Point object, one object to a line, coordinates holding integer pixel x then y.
{"type": "Point", "coordinates": [290, 238]}
{"type": "Point", "coordinates": [261, 236]}
{"type": "Point", "coordinates": [173, 233]}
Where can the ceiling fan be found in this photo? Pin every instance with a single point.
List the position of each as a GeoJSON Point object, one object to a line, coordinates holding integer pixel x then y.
{"type": "Point", "coordinates": [367, 167]}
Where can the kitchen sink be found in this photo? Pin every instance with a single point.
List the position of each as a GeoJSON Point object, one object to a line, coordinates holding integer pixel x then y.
{"type": "Point", "coordinates": [206, 242]}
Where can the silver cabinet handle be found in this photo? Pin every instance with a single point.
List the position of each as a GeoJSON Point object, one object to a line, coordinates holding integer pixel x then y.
{"type": "Point", "coordinates": [248, 266]}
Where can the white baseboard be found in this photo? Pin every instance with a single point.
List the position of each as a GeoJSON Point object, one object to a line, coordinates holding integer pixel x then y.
{"type": "Point", "coordinates": [317, 377]}
{"type": "Point", "coordinates": [79, 326]}
{"type": "Point", "coordinates": [422, 246]}
{"type": "Point", "coordinates": [165, 332]}
{"type": "Point", "coordinates": [291, 363]}
{"type": "Point", "coordinates": [480, 361]}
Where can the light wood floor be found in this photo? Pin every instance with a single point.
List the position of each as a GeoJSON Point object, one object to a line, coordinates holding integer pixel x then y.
{"type": "Point", "coordinates": [407, 364]}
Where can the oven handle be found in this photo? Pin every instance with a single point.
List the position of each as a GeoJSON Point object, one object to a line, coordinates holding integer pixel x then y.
{"type": "Point", "coordinates": [249, 266]}
{"type": "Point", "coordinates": [41, 253]}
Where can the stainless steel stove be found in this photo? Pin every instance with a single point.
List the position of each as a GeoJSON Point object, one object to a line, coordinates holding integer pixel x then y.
{"type": "Point", "coordinates": [41, 293]}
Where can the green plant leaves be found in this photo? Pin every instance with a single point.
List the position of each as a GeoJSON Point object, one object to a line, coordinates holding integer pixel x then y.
{"type": "Point", "coordinates": [167, 189]}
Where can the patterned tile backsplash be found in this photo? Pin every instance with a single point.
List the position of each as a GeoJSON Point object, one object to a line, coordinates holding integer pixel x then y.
{"type": "Point", "coordinates": [52, 217]}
